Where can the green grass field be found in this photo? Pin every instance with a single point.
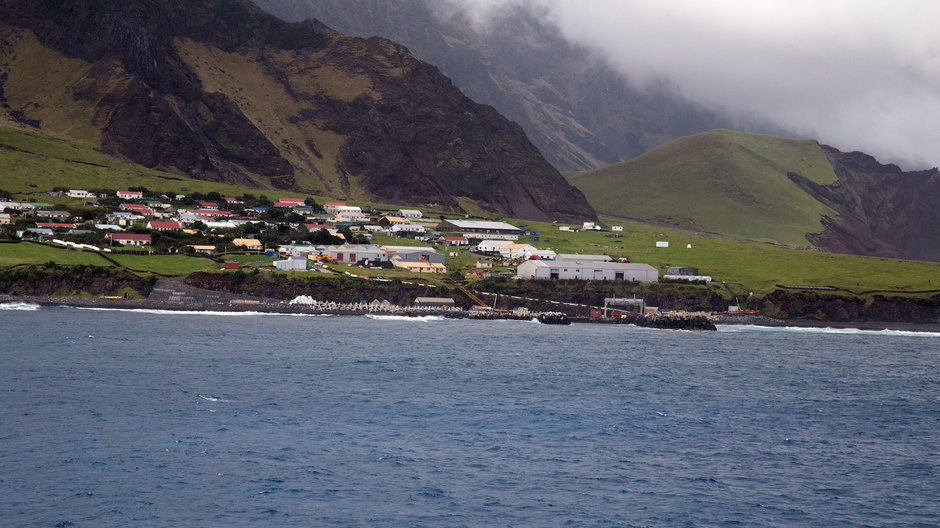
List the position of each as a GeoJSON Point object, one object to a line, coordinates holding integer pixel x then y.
{"type": "Point", "coordinates": [166, 264]}
{"type": "Point", "coordinates": [720, 181]}
{"type": "Point", "coordinates": [29, 253]}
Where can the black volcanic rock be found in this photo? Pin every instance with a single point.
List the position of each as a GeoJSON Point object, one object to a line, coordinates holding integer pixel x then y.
{"type": "Point", "coordinates": [176, 85]}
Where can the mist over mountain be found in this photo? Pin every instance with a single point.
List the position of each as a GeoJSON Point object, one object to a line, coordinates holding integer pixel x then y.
{"type": "Point", "coordinates": [578, 110]}
{"type": "Point", "coordinates": [858, 75]}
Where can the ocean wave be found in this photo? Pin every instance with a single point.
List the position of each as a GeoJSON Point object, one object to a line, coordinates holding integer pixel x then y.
{"type": "Point", "coordinates": [19, 307]}
{"type": "Point", "coordinates": [823, 330]}
{"type": "Point", "coordinates": [215, 399]}
{"type": "Point", "coordinates": [155, 311]}
{"type": "Point", "coordinates": [417, 318]}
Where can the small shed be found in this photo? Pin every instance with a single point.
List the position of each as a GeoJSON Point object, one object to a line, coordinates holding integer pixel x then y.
{"type": "Point", "coordinates": [434, 302]}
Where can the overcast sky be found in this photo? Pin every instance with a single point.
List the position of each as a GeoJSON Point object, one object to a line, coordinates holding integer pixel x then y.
{"type": "Point", "coordinates": [855, 74]}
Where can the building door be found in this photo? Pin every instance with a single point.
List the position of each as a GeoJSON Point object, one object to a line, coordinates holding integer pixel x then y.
{"type": "Point", "coordinates": [618, 275]}
{"type": "Point", "coordinates": [553, 274]}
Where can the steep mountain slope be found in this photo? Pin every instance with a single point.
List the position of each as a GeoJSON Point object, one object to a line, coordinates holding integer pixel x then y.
{"type": "Point", "coordinates": [578, 112]}
{"type": "Point", "coordinates": [882, 210]}
{"type": "Point", "coordinates": [220, 90]}
{"type": "Point", "coordinates": [772, 189]}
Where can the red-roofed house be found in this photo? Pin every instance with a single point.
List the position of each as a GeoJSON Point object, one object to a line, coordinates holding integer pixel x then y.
{"type": "Point", "coordinates": [295, 201]}
{"type": "Point", "coordinates": [163, 226]}
{"type": "Point", "coordinates": [129, 239]}
{"type": "Point", "coordinates": [208, 205]}
{"type": "Point", "coordinates": [130, 195]}
{"type": "Point", "coordinates": [456, 241]}
{"type": "Point", "coordinates": [232, 200]}
{"type": "Point", "coordinates": [315, 227]}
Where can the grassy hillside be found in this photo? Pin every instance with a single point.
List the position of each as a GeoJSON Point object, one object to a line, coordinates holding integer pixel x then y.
{"type": "Point", "coordinates": [32, 162]}
{"type": "Point", "coordinates": [720, 181]}
{"type": "Point", "coordinates": [744, 267]}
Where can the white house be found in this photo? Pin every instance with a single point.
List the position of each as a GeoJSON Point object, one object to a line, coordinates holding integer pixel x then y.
{"type": "Point", "coordinates": [409, 213]}
{"type": "Point", "coordinates": [333, 207]}
{"type": "Point", "coordinates": [514, 251]}
{"type": "Point", "coordinates": [79, 193]}
{"type": "Point", "coordinates": [130, 195]}
{"type": "Point", "coordinates": [491, 246]}
{"type": "Point", "coordinates": [616, 228]}
{"type": "Point", "coordinates": [407, 228]}
{"type": "Point", "coordinates": [587, 270]}
{"type": "Point", "coordinates": [480, 229]}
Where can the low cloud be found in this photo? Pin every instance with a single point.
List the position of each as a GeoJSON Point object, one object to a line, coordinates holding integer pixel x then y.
{"type": "Point", "coordinates": [856, 75]}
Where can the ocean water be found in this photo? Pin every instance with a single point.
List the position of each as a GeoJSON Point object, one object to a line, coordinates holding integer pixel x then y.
{"type": "Point", "coordinates": [117, 418]}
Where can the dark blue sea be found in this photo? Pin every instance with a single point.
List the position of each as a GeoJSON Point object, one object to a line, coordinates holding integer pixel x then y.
{"type": "Point", "coordinates": [119, 418]}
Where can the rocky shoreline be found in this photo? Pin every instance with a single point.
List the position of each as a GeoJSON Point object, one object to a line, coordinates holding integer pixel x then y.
{"type": "Point", "coordinates": [284, 307]}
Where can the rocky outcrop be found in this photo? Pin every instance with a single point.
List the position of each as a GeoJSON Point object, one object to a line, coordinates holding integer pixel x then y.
{"type": "Point", "coordinates": [220, 90]}
{"type": "Point", "coordinates": [883, 211]}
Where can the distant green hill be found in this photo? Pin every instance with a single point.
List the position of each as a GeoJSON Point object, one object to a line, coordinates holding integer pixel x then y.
{"type": "Point", "coordinates": [720, 181]}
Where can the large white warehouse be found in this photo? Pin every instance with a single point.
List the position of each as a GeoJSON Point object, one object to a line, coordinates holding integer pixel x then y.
{"type": "Point", "coordinates": [587, 270]}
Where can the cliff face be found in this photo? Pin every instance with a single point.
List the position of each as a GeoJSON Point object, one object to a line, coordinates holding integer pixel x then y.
{"type": "Point", "coordinates": [883, 211]}
{"type": "Point", "coordinates": [220, 90]}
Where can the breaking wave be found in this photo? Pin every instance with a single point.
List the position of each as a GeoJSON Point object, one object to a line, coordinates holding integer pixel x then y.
{"type": "Point", "coordinates": [19, 307]}
{"type": "Point", "coordinates": [824, 330]}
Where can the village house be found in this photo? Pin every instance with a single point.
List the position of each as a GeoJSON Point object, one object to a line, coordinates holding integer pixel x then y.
{"type": "Point", "coordinates": [130, 195]}
{"type": "Point", "coordinates": [410, 213]}
{"type": "Point", "coordinates": [333, 207]}
{"type": "Point", "coordinates": [491, 246]}
{"type": "Point", "coordinates": [406, 228]}
{"type": "Point", "coordinates": [6, 219]}
{"type": "Point", "coordinates": [80, 193]}
{"type": "Point", "coordinates": [587, 270]}
{"type": "Point", "coordinates": [389, 221]}
{"type": "Point", "coordinates": [414, 253]}
{"type": "Point", "coordinates": [128, 239]}
{"type": "Point", "coordinates": [203, 249]}
{"type": "Point", "coordinates": [514, 251]}
{"type": "Point", "coordinates": [163, 226]}
{"type": "Point", "coordinates": [60, 215]}
{"type": "Point", "coordinates": [53, 225]}
{"type": "Point", "coordinates": [420, 266]}
{"type": "Point", "coordinates": [248, 243]}
{"type": "Point", "coordinates": [455, 241]}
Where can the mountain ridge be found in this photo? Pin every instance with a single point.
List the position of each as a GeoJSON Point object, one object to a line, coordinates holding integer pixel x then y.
{"type": "Point", "coordinates": [222, 90]}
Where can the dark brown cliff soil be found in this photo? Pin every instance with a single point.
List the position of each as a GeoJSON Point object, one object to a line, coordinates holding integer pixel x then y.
{"type": "Point", "coordinates": [884, 211]}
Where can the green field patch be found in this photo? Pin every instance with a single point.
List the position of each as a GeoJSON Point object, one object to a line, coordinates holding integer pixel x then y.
{"type": "Point", "coordinates": [14, 254]}
{"type": "Point", "coordinates": [166, 264]}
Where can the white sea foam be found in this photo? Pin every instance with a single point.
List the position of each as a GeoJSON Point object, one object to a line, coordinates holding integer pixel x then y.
{"type": "Point", "coordinates": [200, 312]}
{"type": "Point", "coordinates": [419, 318]}
{"type": "Point", "coordinates": [216, 399]}
{"type": "Point", "coordinates": [19, 307]}
{"type": "Point", "coordinates": [823, 330]}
